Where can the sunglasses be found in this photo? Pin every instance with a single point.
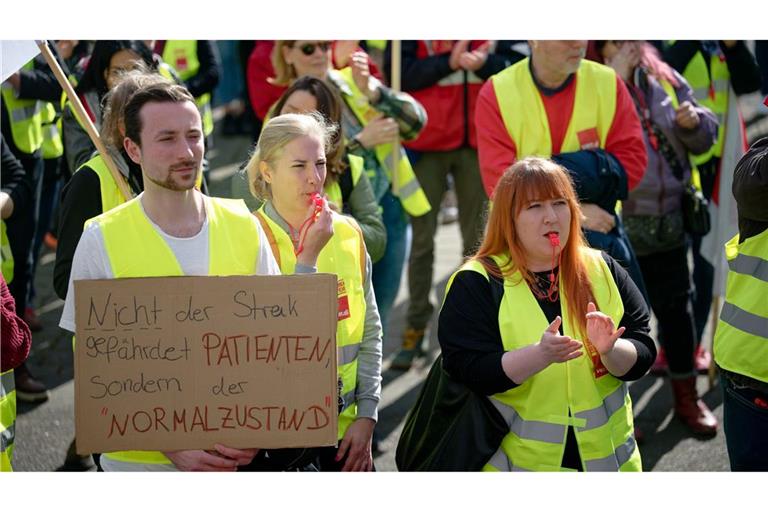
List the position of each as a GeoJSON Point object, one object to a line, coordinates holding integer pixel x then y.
{"type": "Point", "coordinates": [309, 48]}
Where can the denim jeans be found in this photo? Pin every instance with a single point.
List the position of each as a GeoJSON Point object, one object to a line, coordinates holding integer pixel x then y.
{"type": "Point", "coordinates": [388, 271]}
{"type": "Point", "coordinates": [745, 422]}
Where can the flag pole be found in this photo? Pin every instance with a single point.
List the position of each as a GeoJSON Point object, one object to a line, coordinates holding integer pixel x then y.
{"type": "Point", "coordinates": [90, 129]}
{"type": "Point", "coordinates": [395, 84]}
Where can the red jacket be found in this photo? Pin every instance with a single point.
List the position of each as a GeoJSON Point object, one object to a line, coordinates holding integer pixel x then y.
{"type": "Point", "coordinates": [262, 93]}
{"type": "Point", "coordinates": [449, 116]}
{"type": "Point", "coordinates": [497, 151]}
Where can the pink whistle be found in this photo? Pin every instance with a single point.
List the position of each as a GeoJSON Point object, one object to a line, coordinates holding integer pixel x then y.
{"type": "Point", "coordinates": [554, 239]}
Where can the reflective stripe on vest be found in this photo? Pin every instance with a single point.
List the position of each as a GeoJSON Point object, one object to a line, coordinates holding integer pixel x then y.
{"type": "Point", "coordinates": [6, 254]}
{"type": "Point", "coordinates": [135, 249]}
{"type": "Point", "coordinates": [710, 88]}
{"type": "Point", "coordinates": [182, 56]}
{"type": "Point", "coordinates": [7, 419]}
{"type": "Point", "coordinates": [111, 196]}
{"type": "Point", "coordinates": [332, 188]}
{"type": "Point", "coordinates": [25, 118]}
{"type": "Point", "coordinates": [741, 338]}
{"type": "Point", "coordinates": [20, 113]}
{"type": "Point", "coordinates": [409, 190]}
{"type": "Point", "coordinates": [525, 118]}
{"type": "Point", "coordinates": [537, 412]}
{"type": "Point", "coordinates": [53, 146]}
{"type": "Point", "coordinates": [343, 255]}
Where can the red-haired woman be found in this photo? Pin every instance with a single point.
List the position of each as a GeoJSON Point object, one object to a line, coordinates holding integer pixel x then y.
{"type": "Point", "coordinates": [554, 353]}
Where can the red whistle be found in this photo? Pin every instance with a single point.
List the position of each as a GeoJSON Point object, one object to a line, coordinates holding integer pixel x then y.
{"type": "Point", "coordinates": [318, 201]}
{"type": "Point", "coordinates": [554, 239]}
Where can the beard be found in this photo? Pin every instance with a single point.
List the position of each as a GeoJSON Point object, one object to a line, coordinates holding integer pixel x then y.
{"type": "Point", "coordinates": [170, 183]}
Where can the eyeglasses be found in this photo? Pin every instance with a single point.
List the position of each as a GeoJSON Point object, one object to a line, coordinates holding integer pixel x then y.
{"type": "Point", "coordinates": [309, 48]}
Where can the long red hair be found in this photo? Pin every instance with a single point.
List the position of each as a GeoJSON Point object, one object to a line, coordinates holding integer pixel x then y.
{"type": "Point", "coordinates": [528, 180]}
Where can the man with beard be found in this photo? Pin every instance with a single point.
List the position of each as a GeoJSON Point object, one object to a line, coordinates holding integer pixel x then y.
{"type": "Point", "coordinates": [172, 229]}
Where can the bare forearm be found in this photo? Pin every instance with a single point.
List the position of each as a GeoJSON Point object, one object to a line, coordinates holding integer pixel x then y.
{"type": "Point", "coordinates": [522, 363]}
{"type": "Point", "coordinates": [621, 358]}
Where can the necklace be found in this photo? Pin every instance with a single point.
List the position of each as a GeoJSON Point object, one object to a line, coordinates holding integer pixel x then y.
{"type": "Point", "coordinates": [543, 288]}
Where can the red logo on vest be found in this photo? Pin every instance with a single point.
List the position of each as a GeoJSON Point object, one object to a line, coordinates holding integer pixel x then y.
{"type": "Point", "coordinates": [181, 60]}
{"type": "Point", "coordinates": [598, 368]}
{"type": "Point", "coordinates": [588, 139]}
{"type": "Point", "coordinates": [341, 291]}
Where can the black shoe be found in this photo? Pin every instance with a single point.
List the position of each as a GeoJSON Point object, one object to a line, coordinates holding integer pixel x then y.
{"type": "Point", "coordinates": [29, 389]}
{"type": "Point", "coordinates": [75, 462]}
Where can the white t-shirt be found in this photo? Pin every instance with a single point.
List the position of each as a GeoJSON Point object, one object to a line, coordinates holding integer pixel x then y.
{"type": "Point", "coordinates": [92, 262]}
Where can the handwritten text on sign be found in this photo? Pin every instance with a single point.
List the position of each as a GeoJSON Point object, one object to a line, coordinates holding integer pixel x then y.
{"type": "Point", "coordinates": [185, 362]}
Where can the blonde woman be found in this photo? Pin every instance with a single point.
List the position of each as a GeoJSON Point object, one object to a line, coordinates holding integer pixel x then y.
{"type": "Point", "coordinates": [373, 116]}
{"type": "Point", "coordinates": [286, 171]}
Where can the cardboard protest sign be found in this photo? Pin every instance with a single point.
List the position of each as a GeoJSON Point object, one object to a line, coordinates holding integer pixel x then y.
{"type": "Point", "coordinates": [185, 362]}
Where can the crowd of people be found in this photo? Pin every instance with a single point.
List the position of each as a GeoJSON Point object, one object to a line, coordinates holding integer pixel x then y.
{"type": "Point", "coordinates": [586, 176]}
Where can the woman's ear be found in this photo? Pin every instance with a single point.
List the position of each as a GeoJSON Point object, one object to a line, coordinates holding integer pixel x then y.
{"type": "Point", "coordinates": [266, 172]}
{"type": "Point", "coordinates": [286, 54]}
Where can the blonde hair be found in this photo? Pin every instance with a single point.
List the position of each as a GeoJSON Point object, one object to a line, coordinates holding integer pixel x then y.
{"type": "Point", "coordinates": [275, 135]}
{"type": "Point", "coordinates": [284, 73]}
{"type": "Point", "coordinates": [116, 99]}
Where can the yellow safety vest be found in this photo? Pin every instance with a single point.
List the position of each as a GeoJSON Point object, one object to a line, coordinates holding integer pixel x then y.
{"type": "Point", "coordinates": [741, 338]}
{"type": "Point", "coordinates": [540, 410]}
{"type": "Point", "coordinates": [710, 88]}
{"type": "Point", "coordinates": [409, 190]}
{"type": "Point", "coordinates": [7, 419]}
{"type": "Point", "coordinates": [333, 188]}
{"type": "Point", "coordinates": [135, 249]}
{"type": "Point", "coordinates": [110, 194]}
{"type": "Point", "coordinates": [344, 255]}
{"type": "Point", "coordinates": [25, 117]}
{"type": "Point", "coordinates": [525, 118]}
{"type": "Point", "coordinates": [182, 56]}
{"type": "Point", "coordinates": [6, 254]}
{"type": "Point", "coordinates": [53, 146]}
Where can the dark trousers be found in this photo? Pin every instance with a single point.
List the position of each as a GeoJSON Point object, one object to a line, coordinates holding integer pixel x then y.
{"type": "Point", "coordinates": [668, 284]}
{"type": "Point", "coordinates": [703, 280]}
{"type": "Point", "coordinates": [47, 195]}
{"type": "Point", "coordinates": [745, 421]}
{"type": "Point", "coordinates": [432, 170]}
{"type": "Point", "coordinates": [21, 229]}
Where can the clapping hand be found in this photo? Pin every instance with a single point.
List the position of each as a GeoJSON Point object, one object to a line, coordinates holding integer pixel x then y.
{"type": "Point", "coordinates": [556, 348]}
{"type": "Point", "coordinates": [600, 330]}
